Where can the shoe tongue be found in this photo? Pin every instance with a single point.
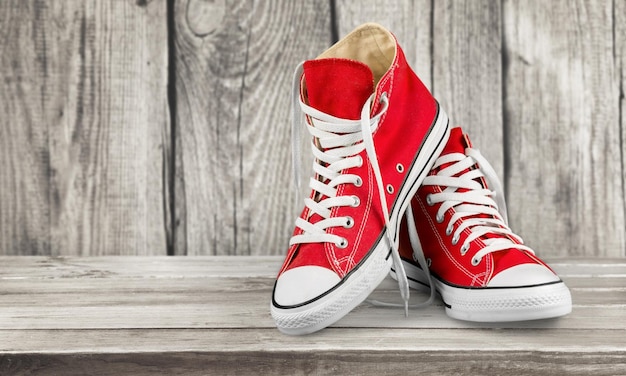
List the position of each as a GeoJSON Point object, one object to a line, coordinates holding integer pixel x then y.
{"type": "Point", "coordinates": [338, 87]}
{"type": "Point", "coordinates": [457, 143]}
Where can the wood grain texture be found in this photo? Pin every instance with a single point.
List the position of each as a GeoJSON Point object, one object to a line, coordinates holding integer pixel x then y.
{"type": "Point", "coordinates": [565, 174]}
{"type": "Point", "coordinates": [112, 293]}
{"type": "Point", "coordinates": [85, 129]}
{"type": "Point", "coordinates": [24, 156]}
{"type": "Point", "coordinates": [236, 302]}
{"type": "Point", "coordinates": [467, 64]}
{"type": "Point", "coordinates": [199, 315]}
{"type": "Point", "coordinates": [90, 163]}
{"type": "Point", "coordinates": [306, 362]}
{"type": "Point", "coordinates": [234, 66]}
{"type": "Point", "coordinates": [410, 21]}
{"type": "Point", "coordinates": [619, 23]}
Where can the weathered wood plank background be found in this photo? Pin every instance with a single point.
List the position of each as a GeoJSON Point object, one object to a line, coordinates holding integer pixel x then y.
{"type": "Point", "coordinates": [162, 127]}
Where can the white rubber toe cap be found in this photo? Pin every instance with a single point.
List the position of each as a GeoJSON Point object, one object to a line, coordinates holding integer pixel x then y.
{"type": "Point", "coordinates": [523, 275]}
{"type": "Point", "coordinates": [299, 285]}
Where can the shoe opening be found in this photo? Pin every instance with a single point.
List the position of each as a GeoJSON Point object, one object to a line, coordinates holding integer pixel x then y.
{"type": "Point", "coordinates": [370, 44]}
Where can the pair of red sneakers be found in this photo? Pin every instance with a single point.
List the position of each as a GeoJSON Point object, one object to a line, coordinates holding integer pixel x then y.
{"type": "Point", "coordinates": [383, 150]}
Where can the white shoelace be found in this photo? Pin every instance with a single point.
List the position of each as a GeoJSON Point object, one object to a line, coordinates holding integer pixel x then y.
{"type": "Point", "coordinates": [339, 141]}
{"type": "Point", "coordinates": [473, 204]}
{"type": "Point", "coordinates": [418, 256]}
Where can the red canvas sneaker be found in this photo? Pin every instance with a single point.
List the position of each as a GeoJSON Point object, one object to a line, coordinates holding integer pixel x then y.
{"type": "Point", "coordinates": [481, 269]}
{"type": "Point", "coordinates": [376, 132]}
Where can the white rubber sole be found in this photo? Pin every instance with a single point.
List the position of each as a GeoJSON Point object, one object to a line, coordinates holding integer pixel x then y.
{"type": "Point", "coordinates": [364, 278]}
{"type": "Point", "coordinates": [496, 304]}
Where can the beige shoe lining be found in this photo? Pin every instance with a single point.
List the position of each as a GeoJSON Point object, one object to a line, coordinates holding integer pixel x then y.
{"type": "Point", "coordinates": [370, 44]}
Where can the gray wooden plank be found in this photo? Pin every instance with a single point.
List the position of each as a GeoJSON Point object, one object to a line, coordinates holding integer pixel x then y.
{"type": "Point", "coordinates": [24, 205]}
{"type": "Point", "coordinates": [226, 341]}
{"type": "Point", "coordinates": [467, 76]}
{"type": "Point", "coordinates": [64, 292]}
{"type": "Point", "coordinates": [234, 67]}
{"type": "Point", "coordinates": [331, 352]}
{"type": "Point", "coordinates": [564, 173]}
{"type": "Point", "coordinates": [409, 20]}
{"type": "Point", "coordinates": [239, 303]}
{"type": "Point", "coordinates": [155, 267]}
{"type": "Point", "coordinates": [24, 267]}
{"type": "Point", "coordinates": [321, 362]}
{"type": "Point", "coordinates": [619, 23]}
{"type": "Point", "coordinates": [18, 291]}
{"type": "Point", "coordinates": [84, 127]}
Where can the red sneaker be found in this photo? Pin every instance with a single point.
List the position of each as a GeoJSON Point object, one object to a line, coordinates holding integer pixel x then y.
{"type": "Point", "coordinates": [376, 133]}
{"type": "Point", "coordinates": [481, 269]}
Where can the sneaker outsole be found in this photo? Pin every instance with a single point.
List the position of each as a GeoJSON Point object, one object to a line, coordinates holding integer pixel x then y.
{"type": "Point", "coordinates": [502, 304]}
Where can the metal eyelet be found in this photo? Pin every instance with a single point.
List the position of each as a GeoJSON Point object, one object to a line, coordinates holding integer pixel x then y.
{"type": "Point", "coordinates": [359, 182]}
{"type": "Point", "coordinates": [400, 168]}
{"type": "Point", "coordinates": [449, 231]}
{"type": "Point", "coordinates": [464, 250]}
{"type": "Point", "coordinates": [439, 219]}
{"type": "Point", "coordinates": [349, 222]}
{"type": "Point", "coordinates": [343, 243]}
{"type": "Point", "coordinates": [475, 262]}
{"type": "Point", "coordinates": [455, 240]}
{"type": "Point", "coordinates": [429, 200]}
{"type": "Point", "coordinates": [360, 164]}
{"type": "Point", "coordinates": [429, 262]}
{"type": "Point", "coordinates": [389, 188]}
{"type": "Point", "coordinates": [357, 201]}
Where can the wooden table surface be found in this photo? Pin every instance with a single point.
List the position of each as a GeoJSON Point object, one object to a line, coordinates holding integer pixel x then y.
{"type": "Point", "coordinates": [210, 315]}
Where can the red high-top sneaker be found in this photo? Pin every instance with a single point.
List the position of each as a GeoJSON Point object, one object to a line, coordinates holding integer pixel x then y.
{"type": "Point", "coordinates": [481, 269]}
{"type": "Point", "coordinates": [376, 132]}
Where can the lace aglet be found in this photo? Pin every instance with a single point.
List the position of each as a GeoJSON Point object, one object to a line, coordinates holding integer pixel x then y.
{"type": "Point", "coordinates": [406, 308]}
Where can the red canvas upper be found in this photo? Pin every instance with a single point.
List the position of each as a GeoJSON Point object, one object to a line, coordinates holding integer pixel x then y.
{"type": "Point", "coordinates": [446, 260]}
{"type": "Point", "coordinates": [340, 87]}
